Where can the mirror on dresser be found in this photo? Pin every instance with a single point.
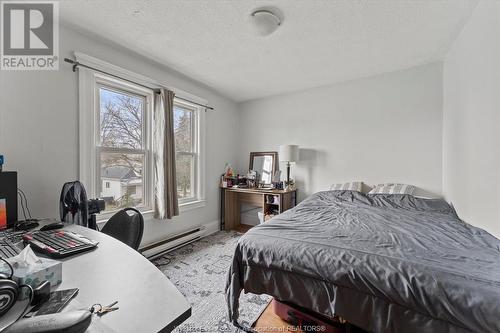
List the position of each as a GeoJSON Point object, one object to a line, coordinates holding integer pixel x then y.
{"type": "Point", "coordinates": [265, 164]}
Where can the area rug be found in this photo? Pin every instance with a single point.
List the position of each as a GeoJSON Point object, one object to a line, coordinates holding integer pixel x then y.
{"type": "Point", "coordinates": [199, 271]}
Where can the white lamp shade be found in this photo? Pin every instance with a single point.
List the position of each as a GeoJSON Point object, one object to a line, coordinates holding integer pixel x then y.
{"type": "Point", "coordinates": [289, 153]}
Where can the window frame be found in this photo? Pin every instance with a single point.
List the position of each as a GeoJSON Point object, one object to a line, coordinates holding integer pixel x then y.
{"type": "Point", "coordinates": [195, 149]}
{"type": "Point", "coordinates": [120, 86]}
{"type": "Point", "coordinates": [87, 127]}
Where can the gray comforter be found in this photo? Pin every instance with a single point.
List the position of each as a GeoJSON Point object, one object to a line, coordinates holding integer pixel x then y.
{"type": "Point", "coordinates": [387, 263]}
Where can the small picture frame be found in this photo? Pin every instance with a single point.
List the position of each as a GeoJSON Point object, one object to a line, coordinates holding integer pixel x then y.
{"type": "Point", "coordinates": [277, 176]}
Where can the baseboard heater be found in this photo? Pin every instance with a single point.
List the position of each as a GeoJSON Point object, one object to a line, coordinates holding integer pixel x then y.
{"type": "Point", "coordinates": [156, 249]}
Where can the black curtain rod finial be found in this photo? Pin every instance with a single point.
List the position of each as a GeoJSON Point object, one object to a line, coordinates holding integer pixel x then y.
{"type": "Point", "coordinates": [75, 64]}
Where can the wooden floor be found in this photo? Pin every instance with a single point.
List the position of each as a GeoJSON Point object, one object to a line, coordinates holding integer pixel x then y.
{"type": "Point", "coordinates": [243, 228]}
{"type": "Point", "coordinates": [269, 322]}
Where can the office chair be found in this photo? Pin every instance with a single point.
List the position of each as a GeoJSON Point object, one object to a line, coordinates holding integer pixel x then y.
{"type": "Point", "coordinates": [126, 228]}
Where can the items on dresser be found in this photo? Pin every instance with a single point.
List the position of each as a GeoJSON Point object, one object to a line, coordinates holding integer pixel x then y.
{"type": "Point", "coordinates": [228, 177]}
{"type": "Point", "coordinates": [251, 178]}
{"type": "Point", "coordinates": [279, 185]}
{"type": "Point", "coordinates": [265, 164]}
{"type": "Point", "coordinates": [290, 155]}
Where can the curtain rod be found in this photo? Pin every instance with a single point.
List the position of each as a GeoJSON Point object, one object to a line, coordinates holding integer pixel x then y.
{"type": "Point", "coordinates": [76, 64]}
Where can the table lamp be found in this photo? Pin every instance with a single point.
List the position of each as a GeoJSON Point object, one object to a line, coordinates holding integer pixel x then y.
{"type": "Point", "coordinates": [289, 154]}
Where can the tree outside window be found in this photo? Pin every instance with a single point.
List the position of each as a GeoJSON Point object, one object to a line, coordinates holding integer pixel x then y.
{"type": "Point", "coordinates": [122, 148]}
{"type": "Point", "coordinates": [185, 144]}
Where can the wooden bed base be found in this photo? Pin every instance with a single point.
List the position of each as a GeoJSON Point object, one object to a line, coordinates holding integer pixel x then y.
{"type": "Point", "coordinates": [309, 321]}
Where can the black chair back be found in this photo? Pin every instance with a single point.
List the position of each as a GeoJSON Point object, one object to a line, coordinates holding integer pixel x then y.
{"type": "Point", "coordinates": [126, 228]}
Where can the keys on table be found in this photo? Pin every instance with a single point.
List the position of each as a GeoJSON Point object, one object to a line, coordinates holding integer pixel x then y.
{"type": "Point", "coordinates": [100, 310]}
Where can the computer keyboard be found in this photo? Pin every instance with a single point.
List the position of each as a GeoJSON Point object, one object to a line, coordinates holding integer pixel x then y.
{"type": "Point", "coordinates": [11, 235]}
{"type": "Point", "coordinates": [9, 249]}
{"type": "Point", "coordinates": [58, 243]}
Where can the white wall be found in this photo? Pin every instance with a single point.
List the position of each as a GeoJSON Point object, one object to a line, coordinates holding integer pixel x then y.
{"type": "Point", "coordinates": [39, 129]}
{"type": "Point", "coordinates": [380, 129]}
{"type": "Point", "coordinates": [471, 134]}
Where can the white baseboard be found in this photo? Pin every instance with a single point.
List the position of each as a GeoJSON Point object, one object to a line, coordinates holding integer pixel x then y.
{"type": "Point", "coordinates": [205, 230]}
{"type": "Point", "coordinates": [211, 227]}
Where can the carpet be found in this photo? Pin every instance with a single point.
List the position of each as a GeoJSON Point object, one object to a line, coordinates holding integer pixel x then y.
{"type": "Point", "coordinates": [199, 271]}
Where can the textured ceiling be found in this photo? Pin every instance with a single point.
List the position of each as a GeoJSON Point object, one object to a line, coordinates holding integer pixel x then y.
{"type": "Point", "coordinates": [319, 42]}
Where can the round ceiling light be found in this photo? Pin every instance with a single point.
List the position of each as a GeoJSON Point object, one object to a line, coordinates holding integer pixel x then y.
{"type": "Point", "coordinates": [265, 22]}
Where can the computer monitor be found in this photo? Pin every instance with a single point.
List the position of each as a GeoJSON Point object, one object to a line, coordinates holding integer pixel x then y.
{"type": "Point", "coordinates": [3, 214]}
{"type": "Point", "coordinates": [8, 198]}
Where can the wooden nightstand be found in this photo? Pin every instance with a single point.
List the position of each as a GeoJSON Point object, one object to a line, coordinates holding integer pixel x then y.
{"type": "Point", "coordinates": [273, 202]}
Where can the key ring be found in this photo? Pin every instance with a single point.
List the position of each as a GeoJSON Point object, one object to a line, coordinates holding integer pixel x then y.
{"type": "Point", "coordinates": [93, 308]}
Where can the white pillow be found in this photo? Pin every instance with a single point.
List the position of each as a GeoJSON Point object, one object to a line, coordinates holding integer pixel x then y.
{"type": "Point", "coordinates": [392, 188]}
{"type": "Point", "coordinates": [350, 186]}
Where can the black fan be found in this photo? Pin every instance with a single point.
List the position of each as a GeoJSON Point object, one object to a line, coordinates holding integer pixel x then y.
{"type": "Point", "coordinates": [75, 208]}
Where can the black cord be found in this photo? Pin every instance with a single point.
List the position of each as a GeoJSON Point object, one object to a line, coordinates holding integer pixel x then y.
{"type": "Point", "coordinates": [10, 267]}
{"type": "Point", "coordinates": [32, 295]}
{"type": "Point", "coordinates": [32, 292]}
{"type": "Point", "coordinates": [26, 202]}
{"type": "Point", "coordinates": [27, 206]}
{"type": "Point", "coordinates": [22, 204]}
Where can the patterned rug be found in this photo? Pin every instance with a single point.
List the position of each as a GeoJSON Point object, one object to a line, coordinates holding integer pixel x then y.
{"type": "Point", "coordinates": [199, 271]}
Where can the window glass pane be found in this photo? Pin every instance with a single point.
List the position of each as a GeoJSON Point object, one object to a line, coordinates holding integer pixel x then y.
{"type": "Point", "coordinates": [183, 119]}
{"type": "Point", "coordinates": [121, 118]}
{"type": "Point", "coordinates": [122, 180]}
{"type": "Point", "coordinates": [185, 176]}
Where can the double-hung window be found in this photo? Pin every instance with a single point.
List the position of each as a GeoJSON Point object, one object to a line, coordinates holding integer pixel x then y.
{"type": "Point", "coordinates": [123, 145]}
{"type": "Point", "coordinates": [187, 146]}
{"type": "Point", "coordinates": [116, 140]}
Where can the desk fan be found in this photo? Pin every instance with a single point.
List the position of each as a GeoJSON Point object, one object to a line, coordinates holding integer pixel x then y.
{"type": "Point", "coordinates": [74, 207]}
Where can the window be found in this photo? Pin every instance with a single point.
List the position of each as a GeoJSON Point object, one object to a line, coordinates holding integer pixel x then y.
{"type": "Point", "coordinates": [186, 147]}
{"type": "Point", "coordinates": [116, 145]}
{"type": "Point", "coordinates": [122, 145]}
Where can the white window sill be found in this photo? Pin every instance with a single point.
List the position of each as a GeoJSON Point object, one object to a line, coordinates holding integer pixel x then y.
{"type": "Point", "coordinates": [187, 206]}
{"type": "Point", "coordinates": [148, 214]}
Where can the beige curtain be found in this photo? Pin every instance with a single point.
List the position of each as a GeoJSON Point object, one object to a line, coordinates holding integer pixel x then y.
{"type": "Point", "coordinates": [166, 203]}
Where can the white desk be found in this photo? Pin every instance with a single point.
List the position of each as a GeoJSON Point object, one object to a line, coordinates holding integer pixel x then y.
{"type": "Point", "coordinates": [148, 301]}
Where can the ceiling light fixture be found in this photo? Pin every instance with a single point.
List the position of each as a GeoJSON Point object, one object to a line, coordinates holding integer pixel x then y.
{"type": "Point", "coordinates": [265, 22]}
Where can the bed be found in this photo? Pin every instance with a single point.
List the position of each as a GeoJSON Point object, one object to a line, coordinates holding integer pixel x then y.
{"type": "Point", "coordinates": [386, 263]}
